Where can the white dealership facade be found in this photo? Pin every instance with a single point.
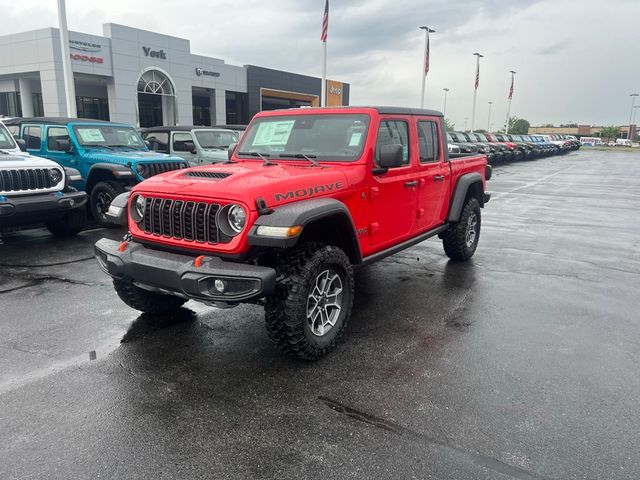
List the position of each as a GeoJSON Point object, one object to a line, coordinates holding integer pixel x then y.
{"type": "Point", "coordinates": [140, 77]}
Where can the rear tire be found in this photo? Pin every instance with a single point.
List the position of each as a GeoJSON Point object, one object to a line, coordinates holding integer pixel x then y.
{"type": "Point", "coordinates": [144, 300]}
{"type": "Point", "coordinates": [461, 240]}
{"type": "Point", "coordinates": [70, 224]}
{"type": "Point", "coordinates": [307, 315]}
{"type": "Point", "coordinates": [101, 197]}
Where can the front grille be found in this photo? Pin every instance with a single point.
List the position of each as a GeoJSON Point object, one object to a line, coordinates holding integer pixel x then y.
{"type": "Point", "coordinates": [216, 175]}
{"type": "Point", "coordinates": [183, 220]}
{"type": "Point", "coordinates": [25, 179]}
{"type": "Point", "coordinates": [151, 169]}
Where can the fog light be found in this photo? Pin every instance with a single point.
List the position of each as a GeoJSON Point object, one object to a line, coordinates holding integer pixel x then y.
{"type": "Point", "coordinates": [219, 285]}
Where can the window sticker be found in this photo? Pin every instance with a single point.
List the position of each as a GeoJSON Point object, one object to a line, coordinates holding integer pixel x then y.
{"type": "Point", "coordinates": [273, 133]}
{"type": "Point", "coordinates": [355, 139]}
{"type": "Point", "coordinates": [90, 135]}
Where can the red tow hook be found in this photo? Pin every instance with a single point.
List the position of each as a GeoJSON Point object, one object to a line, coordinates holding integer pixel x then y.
{"type": "Point", "coordinates": [198, 261]}
{"type": "Point", "coordinates": [123, 246]}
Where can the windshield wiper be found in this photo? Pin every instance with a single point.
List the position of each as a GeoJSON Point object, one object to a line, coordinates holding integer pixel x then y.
{"type": "Point", "coordinates": [263, 157]}
{"type": "Point", "coordinates": [123, 146]}
{"type": "Point", "coordinates": [97, 146]}
{"type": "Point", "coordinates": [302, 155]}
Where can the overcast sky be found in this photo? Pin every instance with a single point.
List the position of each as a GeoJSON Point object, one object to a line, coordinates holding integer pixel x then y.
{"type": "Point", "coordinates": [577, 60]}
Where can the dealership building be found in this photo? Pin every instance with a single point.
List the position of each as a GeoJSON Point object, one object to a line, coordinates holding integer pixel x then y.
{"type": "Point", "coordinates": [144, 78]}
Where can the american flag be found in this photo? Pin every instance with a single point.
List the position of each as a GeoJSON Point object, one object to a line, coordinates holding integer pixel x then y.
{"type": "Point", "coordinates": [511, 89]}
{"type": "Point", "coordinates": [426, 57]}
{"type": "Point", "coordinates": [477, 75]}
{"type": "Point", "coordinates": [325, 22]}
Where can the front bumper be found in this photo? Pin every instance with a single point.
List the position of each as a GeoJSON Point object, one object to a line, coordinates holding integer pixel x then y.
{"type": "Point", "coordinates": [179, 274]}
{"type": "Point", "coordinates": [31, 209]}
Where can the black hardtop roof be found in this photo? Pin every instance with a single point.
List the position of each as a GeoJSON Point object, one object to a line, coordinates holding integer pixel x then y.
{"type": "Point", "coordinates": [54, 120]}
{"type": "Point", "coordinates": [181, 128]}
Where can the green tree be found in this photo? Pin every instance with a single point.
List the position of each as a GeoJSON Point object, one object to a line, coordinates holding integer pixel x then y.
{"type": "Point", "coordinates": [449, 125]}
{"type": "Point", "coordinates": [480, 130]}
{"type": "Point", "coordinates": [610, 132]}
{"type": "Point", "coordinates": [519, 126]}
{"type": "Point", "coordinates": [569, 125]}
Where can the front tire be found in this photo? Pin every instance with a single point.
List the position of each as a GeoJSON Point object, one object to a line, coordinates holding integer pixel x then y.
{"type": "Point", "coordinates": [144, 300]}
{"type": "Point", "coordinates": [101, 197]}
{"type": "Point", "coordinates": [461, 240]}
{"type": "Point", "coordinates": [307, 315]}
{"type": "Point", "coordinates": [70, 224]}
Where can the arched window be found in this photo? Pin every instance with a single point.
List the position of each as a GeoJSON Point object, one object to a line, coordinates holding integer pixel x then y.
{"type": "Point", "coordinates": [155, 82]}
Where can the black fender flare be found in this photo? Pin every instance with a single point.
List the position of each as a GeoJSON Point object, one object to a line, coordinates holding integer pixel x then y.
{"type": "Point", "coordinates": [460, 194]}
{"type": "Point", "coordinates": [119, 172]}
{"type": "Point", "coordinates": [304, 213]}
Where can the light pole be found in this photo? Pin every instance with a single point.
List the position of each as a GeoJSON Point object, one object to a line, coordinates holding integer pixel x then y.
{"type": "Point", "coordinates": [506, 123]}
{"type": "Point", "coordinates": [633, 102]}
{"type": "Point", "coordinates": [67, 73]}
{"type": "Point", "coordinates": [425, 70]}
{"type": "Point", "coordinates": [475, 89]}
{"type": "Point", "coordinates": [444, 110]}
{"type": "Point", "coordinates": [489, 119]}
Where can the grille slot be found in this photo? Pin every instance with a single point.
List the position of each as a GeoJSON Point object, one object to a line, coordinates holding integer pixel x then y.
{"type": "Point", "coordinates": [182, 220]}
{"type": "Point", "coordinates": [212, 175]}
{"type": "Point", "coordinates": [16, 180]}
{"type": "Point", "coordinates": [152, 169]}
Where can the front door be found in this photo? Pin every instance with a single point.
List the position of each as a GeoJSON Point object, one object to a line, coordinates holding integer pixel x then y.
{"type": "Point", "coordinates": [52, 137]}
{"type": "Point", "coordinates": [433, 175]}
{"type": "Point", "coordinates": [179, 144]}
{"type": "Point", "coordinates": [393, 195]}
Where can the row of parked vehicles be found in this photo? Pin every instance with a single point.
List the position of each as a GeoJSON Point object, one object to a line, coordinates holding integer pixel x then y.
{"type": "Point", "coordinates": [50, 168]}
{"type": "Point", "coordinates": [500, 147]}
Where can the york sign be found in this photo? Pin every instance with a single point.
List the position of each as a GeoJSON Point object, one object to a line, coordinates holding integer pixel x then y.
{"type": "Point", "coordinates": [161, 54]}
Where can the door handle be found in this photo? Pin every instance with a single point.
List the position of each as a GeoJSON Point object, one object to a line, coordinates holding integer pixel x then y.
{"type": "Point", "coordinates": [438, 178]}
{"type": "Point", "coordinates": [411, 184]}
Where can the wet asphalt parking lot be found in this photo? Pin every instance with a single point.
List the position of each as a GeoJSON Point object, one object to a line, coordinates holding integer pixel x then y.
{"type": "Point", "coordinates": [521, 364]}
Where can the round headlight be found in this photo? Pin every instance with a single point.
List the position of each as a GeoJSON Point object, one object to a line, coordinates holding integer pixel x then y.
{"type": "Point", "coordinates": [141, 169]}
{"type": "Point", "coordinates": [138, 208]}
{"type": "Point", "coordinates": [55, 175]}
{"type": "Point", "coordinates": [237, 218]}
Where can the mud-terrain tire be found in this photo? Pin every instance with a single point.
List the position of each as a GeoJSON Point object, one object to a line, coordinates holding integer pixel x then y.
{"type": "Point", "coordinates": [70, 224]}
{"type": "Point", "coordinates": [301, 316]}
{"type": "Point", "coordinates": [461, 240]}
{"type": "Point", "coordinates": [144, 300]}
{"type": "Point", "coordinates": [101, 197]}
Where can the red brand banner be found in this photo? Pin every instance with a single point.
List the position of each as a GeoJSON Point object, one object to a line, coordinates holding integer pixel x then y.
{"type": "Point", "coordinates": [86, 58]}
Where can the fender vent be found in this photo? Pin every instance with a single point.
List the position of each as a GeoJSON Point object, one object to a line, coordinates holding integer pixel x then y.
{"type": "Point", "coordinates": [212, 175]}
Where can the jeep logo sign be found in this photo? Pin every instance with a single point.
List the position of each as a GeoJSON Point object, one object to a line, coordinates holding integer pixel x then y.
{"type": "Point", "coordinates": [206, 73]}
{"type": "Point", "coordinates": [154, 53]}
{"type": "Point", "coordinates": [335, 90]}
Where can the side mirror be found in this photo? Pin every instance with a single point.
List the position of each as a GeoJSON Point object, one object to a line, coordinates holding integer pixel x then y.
{"type": "Point", "coordinates": [190, 147]}
{"type": "Point", "coordinates": [390, 156]}
{"type": "Point", "coordinates": [148, 144]}
{"type": "Point", "coordinates": [63, 145]}
{"type": "Point", "coordinates": [22, 145]}
{"type": "Point", "coordinates": [232, 148]}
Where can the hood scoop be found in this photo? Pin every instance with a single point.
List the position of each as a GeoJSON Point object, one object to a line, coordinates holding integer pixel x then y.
{"type": "Point", "coordinates": [209, 175]}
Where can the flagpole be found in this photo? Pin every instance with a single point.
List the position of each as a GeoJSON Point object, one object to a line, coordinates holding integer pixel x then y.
{"type": "Point", "coordinates": [475, 89]}
{"type": "Point", "coordinates": [444, 110]}
{"type": "Point", "coordinates": [506, 123]}
{"type": "Point", "coordinates": [323, 95]}
{"type": "Point", "coordinates": [323, 37]}
{"type": "Point", "coordinates": [67, 72]}
{"type": "Point", "coordinates": [425, 65]}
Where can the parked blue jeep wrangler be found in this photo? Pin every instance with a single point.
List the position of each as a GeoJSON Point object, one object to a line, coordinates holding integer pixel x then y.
{"type": "Point", "coordinates": [111, 157]}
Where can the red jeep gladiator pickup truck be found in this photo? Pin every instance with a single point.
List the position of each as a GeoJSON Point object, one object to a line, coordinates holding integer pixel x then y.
{"type": "Point", "coordinates": [306, 195]}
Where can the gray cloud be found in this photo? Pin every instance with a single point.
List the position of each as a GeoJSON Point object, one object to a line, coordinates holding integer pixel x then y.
{"type": "Point", "coordinates": [376, 46]}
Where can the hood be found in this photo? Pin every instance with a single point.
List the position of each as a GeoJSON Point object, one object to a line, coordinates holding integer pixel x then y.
{"type": "Point", "coordinates": [123, 157]}
{"type": "Point", "coordinates": [247, 181]}
{"type": "Point", "coordinates": [15, 160]}
{"type": "Point", "coordinates": [216, 154]}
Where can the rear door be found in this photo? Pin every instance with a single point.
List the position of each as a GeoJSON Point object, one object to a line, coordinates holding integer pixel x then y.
{"type": "Point", "coordinates": [394, 194]}
{"type": "Point", "coordinates": [32, 135]}
{"type": "Point", "coordinates": [434, 174]}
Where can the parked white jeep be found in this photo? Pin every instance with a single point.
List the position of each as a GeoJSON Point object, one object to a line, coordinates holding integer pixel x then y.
{"type": "Point", "coordinates": [36, 191]}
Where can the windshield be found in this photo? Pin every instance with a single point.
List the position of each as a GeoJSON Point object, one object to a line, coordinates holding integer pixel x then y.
{"type": "Point", "coordinates": [6, 140]}
{"type": "Point", "coordinates": [325, 137]}
{"type": "Point", "coordinates": [456, 137]}
{"type": "Point", "coordinates": [215, 138]}
{"type": "Point", "coordinates": [108, 136]}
